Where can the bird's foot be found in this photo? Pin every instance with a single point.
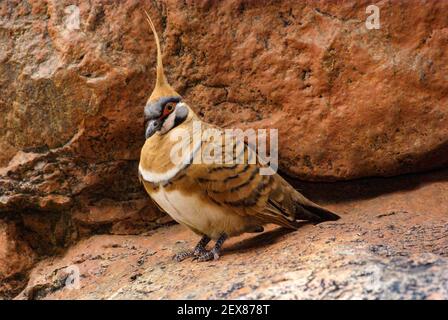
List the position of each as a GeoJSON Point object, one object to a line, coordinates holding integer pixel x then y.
{"type": "Point", "coordinates": [198, 250]}
{"type": "Point", "coordinates": [181, 256]}
{"type": "Point", "coordinates": [196, 253]}
{"type": "Point", "coordinates": [207, 256]}
{"type": "Point", "coordinates": [214, 253]}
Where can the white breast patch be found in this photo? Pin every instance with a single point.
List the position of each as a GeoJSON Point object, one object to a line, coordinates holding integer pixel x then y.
{"type": "Point", "coordinates": [160, 177]}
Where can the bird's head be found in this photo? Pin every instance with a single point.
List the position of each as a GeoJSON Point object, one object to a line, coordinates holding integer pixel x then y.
{"type": "Point", "coordinates": [164, 109]}
{"type": "Point", "coordinates": [164, 114]}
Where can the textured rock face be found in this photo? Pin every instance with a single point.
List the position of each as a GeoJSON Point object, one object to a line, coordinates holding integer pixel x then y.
{"type": "Point", "coordinates": [389, 244]}
{"type": "Point", "coordinates": [73, 80]}
{"type": "Point", "coordinates": [74, 76]}
{"type": "Point", "coordinates": [348, 102]}
{"type": "Point", "coordinates": [16, 258]}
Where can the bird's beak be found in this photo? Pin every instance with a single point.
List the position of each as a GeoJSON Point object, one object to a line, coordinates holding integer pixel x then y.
{"type": "Point", "coordinates": [152, 126]}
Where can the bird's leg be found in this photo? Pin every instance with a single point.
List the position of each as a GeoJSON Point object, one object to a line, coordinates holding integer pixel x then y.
{"type": "Point", "coordinates": [214, 253]}
{"type": "Point", "coordinates": [197, 251]}
{"type": "Point", "coordinates": [200, 247]}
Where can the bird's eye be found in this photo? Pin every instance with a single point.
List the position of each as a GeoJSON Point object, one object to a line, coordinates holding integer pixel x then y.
{"type": "Point", "coordinates": [169, 107]}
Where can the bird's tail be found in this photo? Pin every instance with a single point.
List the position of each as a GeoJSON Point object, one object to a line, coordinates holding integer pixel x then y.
{"type": "Point", "coordinates": [305, 209]}
{"type": "Point", "coordinates": [290, 205]}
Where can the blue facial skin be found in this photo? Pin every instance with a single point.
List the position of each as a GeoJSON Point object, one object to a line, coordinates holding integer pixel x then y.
{"type": "Point", "coordinates": [153, 112]}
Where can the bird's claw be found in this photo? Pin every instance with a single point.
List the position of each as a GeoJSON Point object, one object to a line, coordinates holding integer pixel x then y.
{"type": "Point", "coordinates": [201, 254]}
{"type": "Point", "coordinates": [206, 256]}
{"type": "Point", "coordinates": [181, 256]}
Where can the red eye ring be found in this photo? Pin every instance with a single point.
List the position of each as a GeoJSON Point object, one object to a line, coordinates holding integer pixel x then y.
{"type": "Point", "coordinates": [167, 110]}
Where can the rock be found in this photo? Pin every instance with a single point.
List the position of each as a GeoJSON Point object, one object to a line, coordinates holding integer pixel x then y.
{"type": "Point", "coordinates": [73, 85]}
{"type": "Point", "coordinates": [348, 102]}
{"type": "Point", "coordinates": [16, 259]}
{"type": "Point", "coordinates": [389, 244]}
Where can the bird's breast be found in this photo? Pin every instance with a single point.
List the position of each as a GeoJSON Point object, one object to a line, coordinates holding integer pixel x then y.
{"type": "Point", "coordinates": [204, 217]}
{"type": "Point", "coordinates": [163, 157]}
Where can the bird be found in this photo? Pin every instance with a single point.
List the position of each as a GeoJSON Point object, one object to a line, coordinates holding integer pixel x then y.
{"type": "Point", "coordinates": [215, 200]}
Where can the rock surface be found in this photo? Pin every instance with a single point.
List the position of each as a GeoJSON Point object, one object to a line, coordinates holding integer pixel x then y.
{"type": "Point", "coordinates": [16, 259]}
{"type": "Point", "coordinates": [390, 244]}
{"type": "Point", "coordinates": [73, 80]}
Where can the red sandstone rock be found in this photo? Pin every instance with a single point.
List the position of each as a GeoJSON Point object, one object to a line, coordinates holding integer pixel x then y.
{"type": "Point", "coordinates": [16, 258]}
{"type": "Point", "coordinates": [72, 85]}
{"type": "Point", "coordinates": [349, 102]}
{"type": "Point", "coordinates": [391, 243]}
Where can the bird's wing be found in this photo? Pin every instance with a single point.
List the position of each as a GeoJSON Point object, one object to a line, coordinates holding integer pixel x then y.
{"type": "Point", "coordinates": [239, 186]}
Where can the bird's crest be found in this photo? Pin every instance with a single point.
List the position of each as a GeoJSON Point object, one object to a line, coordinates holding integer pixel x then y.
{"type": "Point", "coordinates": [162, 88]}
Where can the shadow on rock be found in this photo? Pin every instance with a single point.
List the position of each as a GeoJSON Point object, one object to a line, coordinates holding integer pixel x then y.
{"type": "Point", "coordinates": [262, 240]}
{"type": "Point", "coordinates": [368, 188]}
